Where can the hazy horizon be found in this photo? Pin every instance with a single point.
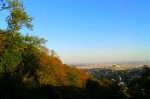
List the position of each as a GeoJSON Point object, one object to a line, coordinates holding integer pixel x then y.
{"type": "Point", "coordinates": [109, 62]}
{"type": "Point", "coordinates": [87, 31]}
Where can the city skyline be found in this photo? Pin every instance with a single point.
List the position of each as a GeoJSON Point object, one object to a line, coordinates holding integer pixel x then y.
{"type": "Point", "coordinates": [86, 31]}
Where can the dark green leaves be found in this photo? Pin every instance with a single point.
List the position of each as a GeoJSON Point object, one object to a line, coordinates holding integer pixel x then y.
{"type": "Point", "coordinates": [9, 60]}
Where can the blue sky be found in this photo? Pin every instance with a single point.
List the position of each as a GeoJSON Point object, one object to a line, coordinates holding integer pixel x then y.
{"type": "Point", "coordinates": [92, 31]}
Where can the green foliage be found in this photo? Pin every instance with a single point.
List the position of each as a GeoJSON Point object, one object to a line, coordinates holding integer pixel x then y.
{"type": "Point", "coordinates": [9, 60]}
{"type": "Point", "coordinates": [9, 56]}
{"type": "Point", "coordinates": [18, 50]}
{"type": "Point", "coordinates": [26, 63]}
{"type": "Point", "coordinates": [28, 69]}
{"type": "Point", "coordinates": [73, 76]}
{"type": "Point", "coordinates": [18, 17]}
{"type": "Point", "coordinates": [12, 44]}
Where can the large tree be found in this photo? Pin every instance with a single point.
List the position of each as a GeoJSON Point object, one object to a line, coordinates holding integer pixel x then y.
{"type": "Point", "coordinates": [12, 43]}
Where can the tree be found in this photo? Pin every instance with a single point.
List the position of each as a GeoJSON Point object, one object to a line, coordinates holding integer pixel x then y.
{"type": "Point", "coordinates": [51, 71]}
{"type": "Point", "coordinates": [10, 56]}
{"type": "Point", "coordinates": [18, 17]}
{"type": "Point", "coordinates": [72, 75]}
{"type": "Point", "coordinates": [12, 43]}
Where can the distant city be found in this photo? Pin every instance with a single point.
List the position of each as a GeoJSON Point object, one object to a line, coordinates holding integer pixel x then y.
{"type": "Point", "coordinates": [114, 65]}
{"type": "Point", "coordinates": [116, 71]}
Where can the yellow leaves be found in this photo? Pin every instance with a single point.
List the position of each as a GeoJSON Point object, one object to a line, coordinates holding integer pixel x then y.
{"type": "Point", "coordinates": [76, 77]}
{"type": "Point", "coordinates": [53, 72]}
{"type": "Point", "coordinates": [83, 77]}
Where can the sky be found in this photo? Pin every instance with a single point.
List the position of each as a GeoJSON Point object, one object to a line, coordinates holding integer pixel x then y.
{"type": "Point", "coordinates": [92, 31]}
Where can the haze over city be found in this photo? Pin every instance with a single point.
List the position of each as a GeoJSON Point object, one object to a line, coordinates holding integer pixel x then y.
{"type": "Point", "coordinates": [87, 31]}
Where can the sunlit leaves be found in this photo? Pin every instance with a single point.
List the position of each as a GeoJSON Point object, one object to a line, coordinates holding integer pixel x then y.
{"type": "Point", "coordinates": [51, 70]}
{"type": "Point", "coordinates": [27, 56]}
{"type": "Point", "coordinates": [34, 41]}
{"type": "Point", "coordinates": [17, 17]}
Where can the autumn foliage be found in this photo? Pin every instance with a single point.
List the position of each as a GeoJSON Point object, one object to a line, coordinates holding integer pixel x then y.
{"type": "Point", "coordinates": [53, 72]}
{"type": "Point", "coordinates": [29, 70]}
